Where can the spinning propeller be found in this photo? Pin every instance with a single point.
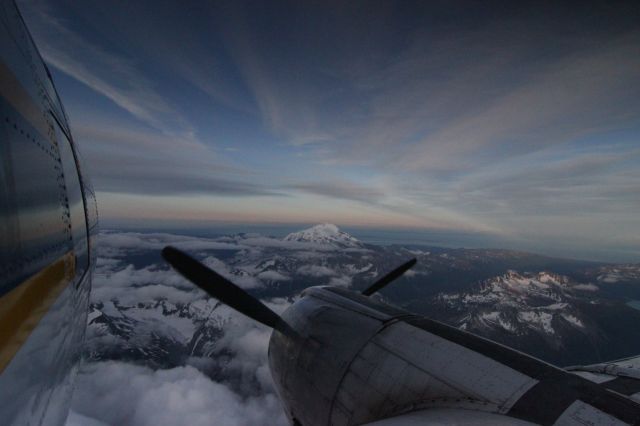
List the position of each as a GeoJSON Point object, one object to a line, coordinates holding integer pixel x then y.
{"type": "Point", "coordinates": [215, 285]}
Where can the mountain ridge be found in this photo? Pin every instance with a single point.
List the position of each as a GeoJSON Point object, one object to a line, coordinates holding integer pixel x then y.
{"type": "Point", "coordinates": [560, 311]}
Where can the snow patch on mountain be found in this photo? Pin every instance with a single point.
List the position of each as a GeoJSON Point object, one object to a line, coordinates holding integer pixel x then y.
{"type": "Point", "coordinates": [573, 320]}
{"type": "Point", "coordinates": [538, 319]}
{"type": "Point", "coordinates": [497, 319]}
{"type": "Point", "coordinates": [325, 233]}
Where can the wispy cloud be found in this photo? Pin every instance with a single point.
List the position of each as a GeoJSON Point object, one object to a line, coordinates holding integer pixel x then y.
{"type": "Point", "coordinates": [162, 157]}
{"type": "Point", "coordinates": [417, 115]}
{"type": "Point", "coordinates": [138, 161]}
{"type": "Point", "coordinates": [342, 189]}
{"type": "Point", "coordinates": [593, 183]}
{"type": "Point", "coordinates": [581, 94]}
{"type": "Point", "coordinates": [110, 74]}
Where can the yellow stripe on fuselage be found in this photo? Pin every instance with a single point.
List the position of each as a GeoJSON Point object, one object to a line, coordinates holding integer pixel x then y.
{"type": "Point", "coordinates": [13, 91]}
{"type": "Point", "coordinates": [23, 307]}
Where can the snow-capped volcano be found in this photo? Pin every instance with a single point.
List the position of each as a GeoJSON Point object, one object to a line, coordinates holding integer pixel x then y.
{"type": "Point", "coordinates": [326, 233]}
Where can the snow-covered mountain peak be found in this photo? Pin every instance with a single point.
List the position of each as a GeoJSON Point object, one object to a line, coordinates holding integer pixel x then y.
{"type": "Point", "coordinates": [325, 233]}
{"type": "Point", "coordinates": [518, 303]}
{"type": "Point", "coordinates": [527, 282]}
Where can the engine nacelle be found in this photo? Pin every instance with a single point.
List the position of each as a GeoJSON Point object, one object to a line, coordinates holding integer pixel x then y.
{"type": "Point", "coordinates": [356, 361]}
{"type": "Point", "coordinates": [309, 369]}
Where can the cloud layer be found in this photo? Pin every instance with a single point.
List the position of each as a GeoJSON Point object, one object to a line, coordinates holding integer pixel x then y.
{"type": "Point", "coordinates": [125, 394]}
{"type": "Point", "coordinates": [133, 289]}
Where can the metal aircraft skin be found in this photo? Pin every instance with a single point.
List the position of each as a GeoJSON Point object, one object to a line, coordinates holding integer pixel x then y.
{"type": "Point", "coordinates": [48, 220]}
{"type": "Point", "coordinates": [337, 357]}
{"type": "Point", "coordinates": [341, 358]}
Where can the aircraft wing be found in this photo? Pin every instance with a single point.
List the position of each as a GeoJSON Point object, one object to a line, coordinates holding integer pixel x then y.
{"type": "Point", "coordinates": [622, 376]}
{"type": "Point", "coordinates": [448, 417]}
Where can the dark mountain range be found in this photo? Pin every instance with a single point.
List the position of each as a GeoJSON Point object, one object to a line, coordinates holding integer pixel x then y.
{"type": "Point", "coordinates": [563, 311]}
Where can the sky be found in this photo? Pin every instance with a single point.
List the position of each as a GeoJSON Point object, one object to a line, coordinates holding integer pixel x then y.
{"type": "Point", "coordinates": [501, 119]}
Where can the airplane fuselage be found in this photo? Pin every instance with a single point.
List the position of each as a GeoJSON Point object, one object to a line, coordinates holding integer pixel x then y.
{"type": "Point", "coordinates": [48, 220]}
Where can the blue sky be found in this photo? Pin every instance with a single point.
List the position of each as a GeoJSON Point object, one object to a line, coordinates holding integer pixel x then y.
{"type": "Point", "coordinates": [497, 119]}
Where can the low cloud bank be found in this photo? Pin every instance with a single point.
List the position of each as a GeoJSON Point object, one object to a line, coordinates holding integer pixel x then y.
{"type": "Point", "coordinates": [227, 384]}
{"type": "Point", "coordinates": [116, 393]}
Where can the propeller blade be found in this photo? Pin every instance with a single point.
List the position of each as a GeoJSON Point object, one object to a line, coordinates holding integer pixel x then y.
{"type": "Point", "coordinates": [224, 290]}
{"type": "Point", "coordinates": [396, 273]}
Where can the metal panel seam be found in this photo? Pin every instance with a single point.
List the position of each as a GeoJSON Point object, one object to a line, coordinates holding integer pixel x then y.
{"type": "Point", "coordinates": [384, 325]}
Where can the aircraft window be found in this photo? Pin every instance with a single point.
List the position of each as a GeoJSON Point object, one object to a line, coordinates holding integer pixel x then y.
{"type": "Point", "coordinates": [75, 202]}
